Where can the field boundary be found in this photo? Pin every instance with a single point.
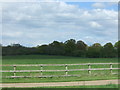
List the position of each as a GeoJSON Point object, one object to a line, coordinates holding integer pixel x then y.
{"type": "Point", "coordinates": [66, 70]}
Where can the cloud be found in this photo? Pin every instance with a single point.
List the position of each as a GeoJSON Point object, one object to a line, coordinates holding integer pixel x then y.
{"type": "Point", "coordinates": [95, 24]}
{"type": "Point", "coordinates": [98, 5]}
{"type": "Point", "coordinates": [41, 23]}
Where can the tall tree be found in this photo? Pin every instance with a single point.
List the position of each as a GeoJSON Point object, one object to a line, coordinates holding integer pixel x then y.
{"type": "Point", "coordinates": [108, 50]}
{"type": "Point", "coordinates": [81, 48]}
{"type": "Point", "coordinates": [56, 48]}
{"type": "Point", "coordinates": [43, 49]}
{"type": "Point", "coordinates": [117, 48]}
{"type": "Point", "coordinates": [70, 46]}
{"type": "Point", "coordinates": [94, 51]}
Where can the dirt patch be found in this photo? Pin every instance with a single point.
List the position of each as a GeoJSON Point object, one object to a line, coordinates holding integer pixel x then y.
{"type": "Point", "coordinates": [78, 83]}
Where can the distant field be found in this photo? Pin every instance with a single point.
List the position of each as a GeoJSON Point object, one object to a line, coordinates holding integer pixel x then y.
{"type": "Point", "coordinates": [46, 59]}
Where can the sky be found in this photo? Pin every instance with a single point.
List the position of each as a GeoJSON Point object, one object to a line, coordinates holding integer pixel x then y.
{"type": "Point", "coordinates": [32, 24]}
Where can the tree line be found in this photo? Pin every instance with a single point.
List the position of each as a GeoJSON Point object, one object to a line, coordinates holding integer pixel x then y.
{"type": "Point", "coordinates": [68, 48]}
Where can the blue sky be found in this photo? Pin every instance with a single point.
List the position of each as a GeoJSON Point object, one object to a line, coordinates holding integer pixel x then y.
{"type": "Point", "coordinates": [32, 24]}
{"type": "Point", "coordinates": [88, 5]}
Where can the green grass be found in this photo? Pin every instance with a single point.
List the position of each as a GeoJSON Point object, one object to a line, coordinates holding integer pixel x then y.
{"type": "Point", "coordinates": [45, 59]}
{"type": "Point", "coordinates": [61, 79]}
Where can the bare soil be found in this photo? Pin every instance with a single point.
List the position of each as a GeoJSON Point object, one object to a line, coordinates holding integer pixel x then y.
{"type": "Point", "coordinates": [78, 83]}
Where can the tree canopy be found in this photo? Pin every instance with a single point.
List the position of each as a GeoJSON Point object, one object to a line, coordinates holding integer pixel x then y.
{"type": "Point", "coordinates": [68, 48]}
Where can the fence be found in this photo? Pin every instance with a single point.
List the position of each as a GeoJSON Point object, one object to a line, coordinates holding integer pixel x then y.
{"type": "Point", "coordinates": [66, 70]}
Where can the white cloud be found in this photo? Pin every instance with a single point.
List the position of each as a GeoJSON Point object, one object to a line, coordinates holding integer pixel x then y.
{"type": "Point", "coordinates": [39, 23]}
{"type": "Point", "coordinates": [98, 5]}
{"type": "Point", "coordinates": [94, 24]}
{"type": "Point", "coordinates": [11, 34]}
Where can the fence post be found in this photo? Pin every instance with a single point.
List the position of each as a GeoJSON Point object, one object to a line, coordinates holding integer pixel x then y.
{"type": "Point", "coordinates": [89, 67]}
{"type": "Point", "coordinates": [41, 70]}
{"type": "Point", "coordinates": [14, 73]}
{"type": "Point", "coordinates": [66, 67]}
{"type": "Point", "coordinates": [111, 68]}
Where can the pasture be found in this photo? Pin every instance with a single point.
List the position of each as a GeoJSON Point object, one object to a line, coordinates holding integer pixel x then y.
{"type": "Point", "coordinates": [46, 59]}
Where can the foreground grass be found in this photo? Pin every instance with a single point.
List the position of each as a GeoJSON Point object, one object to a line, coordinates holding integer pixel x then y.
{"type": "Point", "coordinates": [59, 79]}
{"type": "Point", "coordinates": [46, 59]}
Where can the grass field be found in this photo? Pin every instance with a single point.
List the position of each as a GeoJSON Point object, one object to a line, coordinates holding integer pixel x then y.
{"type": "Point", "coordinates": [45, 59]}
